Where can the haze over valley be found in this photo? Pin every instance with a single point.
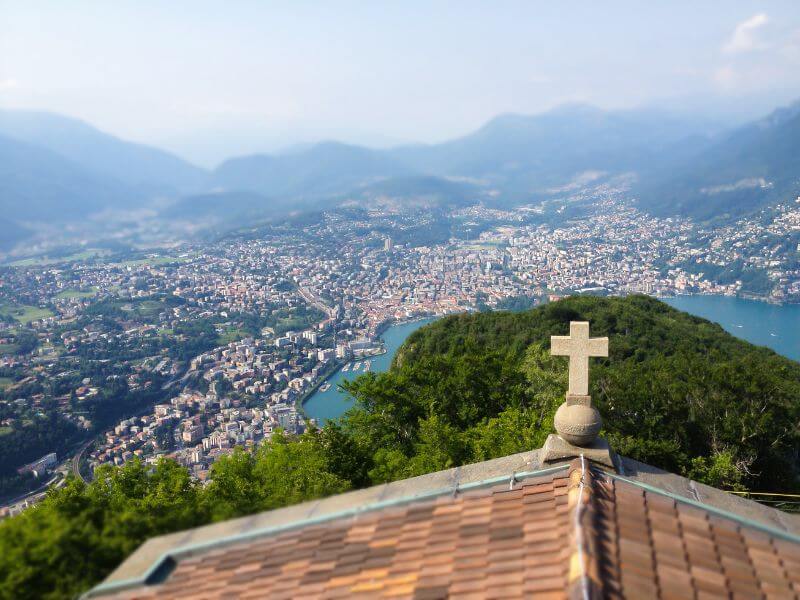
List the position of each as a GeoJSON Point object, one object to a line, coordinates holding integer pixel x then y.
{"type": "Point", "coordinates": [59, 171]}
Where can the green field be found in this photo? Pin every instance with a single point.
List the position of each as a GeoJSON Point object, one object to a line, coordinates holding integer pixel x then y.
{"type": "Point", "coordinates": [76, 294]}
{"type": "Point", "coordinates": [43, 261]}
{"type": "Point", "coordinates": [50, 350]}
{"type": "Point", "coordinates": [5, 431]}
{"type": "Point", "coordinates": [146, 310]}
{"type": "Point", "coordinates": [284, 324]}
{"type": "Point", "coordinates": [6, 382]}
{"type": "Point", "coordinates": [8, 349]}
{"type": "Point", "coordinates": [23, 313]}
{"type": "Point", "coordinates": [151, 261]}
{"type": "Point", "coordinates": [149, 308]}
{"type": "Point", "coordinates": [481, 246]}
{"type": "Point", "coordinates": [231, 335]}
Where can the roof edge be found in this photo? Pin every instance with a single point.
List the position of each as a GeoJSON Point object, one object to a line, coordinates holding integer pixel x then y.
{"type": "Point", "coordinates": [743, 509]}
{"type": "Point", "coordinates": [150, 557]}
{"type": "Point", "coordinates": [720, 512]}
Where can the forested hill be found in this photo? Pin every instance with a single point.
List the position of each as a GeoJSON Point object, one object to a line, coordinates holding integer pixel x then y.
{"type": "Point", "coordinates": [677, 391]}
{"type": "Point", "coordinates": [636, 324]}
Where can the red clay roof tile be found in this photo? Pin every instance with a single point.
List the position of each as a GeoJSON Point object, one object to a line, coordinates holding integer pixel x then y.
{"type": "Point", "coordinates": [557, 535]}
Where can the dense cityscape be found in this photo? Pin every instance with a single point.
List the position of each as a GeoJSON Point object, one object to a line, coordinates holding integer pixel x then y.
{"type": "Point", "coordinates": [193, 352]}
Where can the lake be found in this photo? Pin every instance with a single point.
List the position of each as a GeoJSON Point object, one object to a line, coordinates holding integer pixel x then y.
{"type": "Point", "coordinates": [333, 403]}
{"type": "Point", "coordinates": [773, 325]}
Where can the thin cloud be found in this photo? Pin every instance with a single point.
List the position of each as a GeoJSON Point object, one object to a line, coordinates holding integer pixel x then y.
{"type": "Point", "coordinates": [791, 48]}
{"type": "Point", "coordinates": [725, 77]}
{"type": "Point", "coordinates": [745, 36]}
{"type": "Point", "coordinates": [758, 58]}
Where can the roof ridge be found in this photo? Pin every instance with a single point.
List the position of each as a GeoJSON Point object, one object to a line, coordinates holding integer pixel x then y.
{"type": "Point", "coordinates": [583, 580]}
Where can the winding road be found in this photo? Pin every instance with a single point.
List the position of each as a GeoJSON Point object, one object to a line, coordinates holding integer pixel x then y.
{"type": "Point", "coordinates": [76, 461]}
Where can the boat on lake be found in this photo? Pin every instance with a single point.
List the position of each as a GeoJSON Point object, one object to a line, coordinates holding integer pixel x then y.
{"type": "Point", "coordinates": [367, 365]}
{"type": "Point", "coordinates": [325, 387]}
{"type": "Point", "coordinates": [346, 368]}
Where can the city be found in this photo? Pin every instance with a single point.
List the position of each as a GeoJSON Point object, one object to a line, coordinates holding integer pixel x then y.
{"type": "Point", "coordinates": [218, 345]}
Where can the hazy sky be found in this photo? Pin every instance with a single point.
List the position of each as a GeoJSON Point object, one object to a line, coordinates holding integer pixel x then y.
{"type": "Point", "coordinates": [212, 78]}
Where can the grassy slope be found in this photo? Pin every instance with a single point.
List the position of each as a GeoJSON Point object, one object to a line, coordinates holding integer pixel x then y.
{"type": "Point", "coordinates": [23, 313]}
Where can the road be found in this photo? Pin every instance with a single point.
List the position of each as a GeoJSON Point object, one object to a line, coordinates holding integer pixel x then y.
{"type": "Point", "coordinates": [71, 464]}
{"type": "Point", "coordinates": [316, 302]}
{"type": "Point", "coordinates": [33, 495]}
{"type": "Point", "coordinates": [76, 462]}
{"type": "Point", "coordinates": [178, 379]}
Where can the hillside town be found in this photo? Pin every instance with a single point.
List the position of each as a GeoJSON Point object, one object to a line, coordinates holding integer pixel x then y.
{"type": "Point", "coordinates": [192, 352]}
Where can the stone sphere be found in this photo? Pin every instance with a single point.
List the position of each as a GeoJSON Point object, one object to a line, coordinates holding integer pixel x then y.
{"type": "Point", "coordinates": [577, 423]}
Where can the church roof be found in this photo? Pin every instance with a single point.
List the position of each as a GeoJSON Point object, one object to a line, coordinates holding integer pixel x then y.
{"type": "Point", "coordinates": [510, 527]}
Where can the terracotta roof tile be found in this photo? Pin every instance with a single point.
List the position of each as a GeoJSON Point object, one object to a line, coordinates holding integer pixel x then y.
{"type": "Point", "coordinates": [557, 535]}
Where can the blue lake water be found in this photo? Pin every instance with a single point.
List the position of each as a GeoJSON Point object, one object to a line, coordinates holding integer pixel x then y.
{"type": "Point", "coordinates": [772, 325]}
{"type": "Point", "coordinates": [333, 403]}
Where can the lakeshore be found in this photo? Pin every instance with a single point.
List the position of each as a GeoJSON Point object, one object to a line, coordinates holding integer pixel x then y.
{"type": "Point", "coordinates": [332, 403]}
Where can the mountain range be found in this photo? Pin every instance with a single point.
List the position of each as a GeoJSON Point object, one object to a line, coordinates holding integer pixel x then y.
{"type": "Point", "coordinates": [58, 169]}
{"type": "Point", "coordinates": [37, 184]}
{"type": "Point", "coordinates": [739, 173]}
{"type": "Point", "coordinates": [515, 155]}
{"type": "Point", "coordinates": [132, 164]}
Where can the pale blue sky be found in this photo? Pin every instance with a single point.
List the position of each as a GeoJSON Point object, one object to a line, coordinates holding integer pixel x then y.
{"type": "Point", "coordinates": [208, 78]}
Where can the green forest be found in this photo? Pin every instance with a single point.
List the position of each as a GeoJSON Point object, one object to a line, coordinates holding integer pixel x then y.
{"type": "Point", "coordinates": [676, 392]}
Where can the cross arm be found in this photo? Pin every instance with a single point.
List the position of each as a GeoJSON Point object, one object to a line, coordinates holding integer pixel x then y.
{"type": "Point", "coordinates": [598, 346]}
{"type": "Point", "coordinates": [560, 345]}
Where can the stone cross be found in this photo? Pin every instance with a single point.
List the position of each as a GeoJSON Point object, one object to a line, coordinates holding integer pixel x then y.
{"type": "Point", "coordinates": [579, 347]}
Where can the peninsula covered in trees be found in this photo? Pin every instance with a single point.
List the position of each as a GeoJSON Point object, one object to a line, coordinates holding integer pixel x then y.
{"type": "Point", "coordinates": [676, 392]}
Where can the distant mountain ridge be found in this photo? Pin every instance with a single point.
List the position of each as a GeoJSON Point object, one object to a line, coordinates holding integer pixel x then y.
{"type": "Point", "coordinates": [39, 185]}
{"type": "Point", "coordinates": [54, 169]}
{"type": "Point", "coordinates": [130, 163]}
{"type": "Point", "coordinates": [327, 168]}
{"type": "Point", "coordinates": [741, 172]}
{"type": "Point", "coordinates": [61, 169]}
{"type": "Point", "coordinates": [516, 154]}
{"type": "Point", "coordinates": [568, 132]}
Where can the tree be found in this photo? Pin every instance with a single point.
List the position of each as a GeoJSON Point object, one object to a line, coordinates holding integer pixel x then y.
{"type": "Point", "coordinates": [282, 471]}
{"type": "Point", "coordinates": [80, 532]}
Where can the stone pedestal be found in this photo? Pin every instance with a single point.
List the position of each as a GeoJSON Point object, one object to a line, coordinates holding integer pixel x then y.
{"type": "Point", "coordinates": [558, 449]}
{"type": "Point", "coordinates": [577, 421]}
